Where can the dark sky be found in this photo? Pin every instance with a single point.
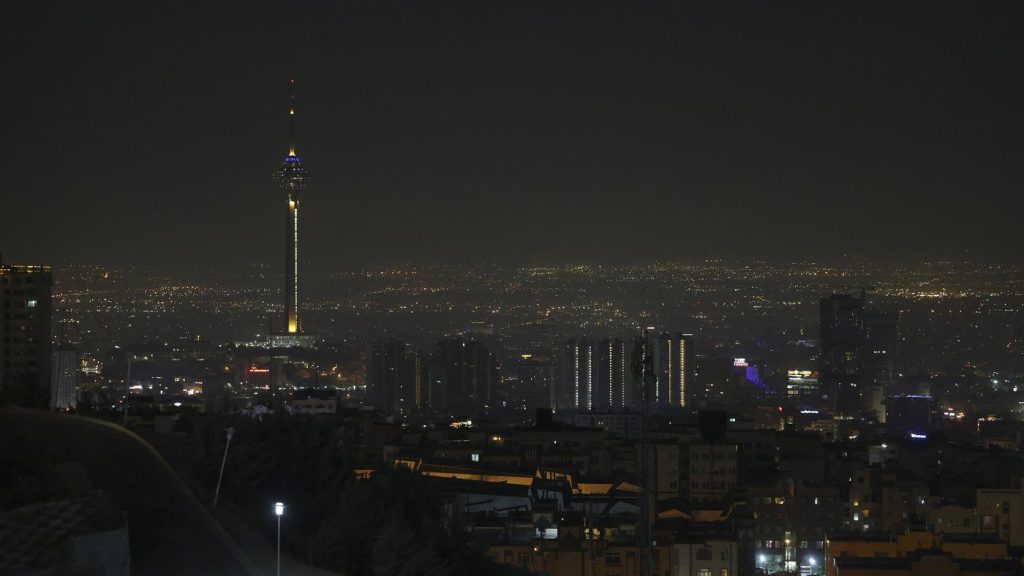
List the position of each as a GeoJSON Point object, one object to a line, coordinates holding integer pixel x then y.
{"type": "Point", "coordinates": [512, 131]}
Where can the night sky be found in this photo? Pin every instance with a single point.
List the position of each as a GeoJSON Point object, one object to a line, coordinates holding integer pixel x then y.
{"type": "Point", "coordinates": [512, 132]}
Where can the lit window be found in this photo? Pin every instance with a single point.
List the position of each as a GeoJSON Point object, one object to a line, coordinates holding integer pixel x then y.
{"type": "Point", "coordinates": [31, 304]}
{"type": "Point", "coordinates": [474, 457]}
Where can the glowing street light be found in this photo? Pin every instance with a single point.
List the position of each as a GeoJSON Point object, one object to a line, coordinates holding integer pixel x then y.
{"type": "Point", "coordinates": [279, 511]}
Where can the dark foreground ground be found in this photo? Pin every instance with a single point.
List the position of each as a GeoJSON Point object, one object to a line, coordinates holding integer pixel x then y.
{"type": "Point", "coordinates": [171, 532]}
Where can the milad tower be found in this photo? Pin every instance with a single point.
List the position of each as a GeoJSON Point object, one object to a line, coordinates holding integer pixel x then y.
{"type": "Point", "coordinates": [292, 179]}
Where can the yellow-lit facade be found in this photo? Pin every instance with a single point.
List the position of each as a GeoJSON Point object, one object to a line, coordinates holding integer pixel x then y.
{"type": "Point", "coordinates": [896, 546]}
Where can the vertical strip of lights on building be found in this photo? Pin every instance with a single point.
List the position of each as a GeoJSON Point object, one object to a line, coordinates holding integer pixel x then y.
{"type": "Point", "coordinates": [295, 266]}
{"type": "Point", "coordinates": [622, 373]}
{"type": "Point", "coordinates": [576, 374]}
{"type": "Point", "coordinates": [682, 373]}
{"type": "Point", "coordinates": [590, 377]}
{"type": "Point", "coordinates": [668, 349]}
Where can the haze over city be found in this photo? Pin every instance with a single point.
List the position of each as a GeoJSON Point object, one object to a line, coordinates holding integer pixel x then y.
{"type": "Point", "coordinates": [494, 288]}
{"type": "Point", "coordinates": [522, 133]}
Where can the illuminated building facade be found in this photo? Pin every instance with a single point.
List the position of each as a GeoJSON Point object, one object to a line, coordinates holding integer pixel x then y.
{"type": "Point", "coordinates": [25, 307]}
{"type": "Point", "coordinates": [577, 363]}
{"type": "Point", "coordinates": [597, 374]}
{"type": "Point", "coordinates": [675, 369]}
{"type": "Point", "coordinates": [611, 390]}
{"type": "Point", "coordinates": [292, 179]}
{"type": "Point", "coordinates": [916, 552]}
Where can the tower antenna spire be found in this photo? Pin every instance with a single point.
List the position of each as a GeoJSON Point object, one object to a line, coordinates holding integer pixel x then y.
{"type": "Point", "coordinates": [291, 117]}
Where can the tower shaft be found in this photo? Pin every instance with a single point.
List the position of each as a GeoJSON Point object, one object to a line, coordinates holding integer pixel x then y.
{"type": "Point", "coordinates": [292, 266]}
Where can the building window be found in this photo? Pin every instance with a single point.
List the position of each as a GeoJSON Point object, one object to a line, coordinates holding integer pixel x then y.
{"type": "Point", "coordinates": [31, 304]}
{"type": "Point", "coordinates": [704, 572]}
{"type": "Point", "coordinates": [474, 457]}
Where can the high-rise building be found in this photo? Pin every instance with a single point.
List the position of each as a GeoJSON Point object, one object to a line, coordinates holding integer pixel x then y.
{"type": "Point", "coordinates": [416, 370]}
{"type": "Point", "coordinates": [611, 390]}
{"type": "Point", "coordinates": [292, 179]}
{"type": "Point", "coordinates": [576, 374]}
{"type": "Point", "coordinates": [463, 374]}
{"type": "Point", "coordinates": [64, 380]}
{"type": "Point", "coordinates": [392, 376]}
{"type": "Point", "coordinates": [909, 414]}
{"type": "Point", "coordinates": [25, 308]}
{"type": "Point", "coordinates": [597, 374]}
{"type": "Point", "coordinates": [534, 382]}
{"type": "Point", "coordinates": [675, 371]}
{"type": "Point", "coordinates": [881, 340]}
{"type": "Point", "coordinates": [840, 359]}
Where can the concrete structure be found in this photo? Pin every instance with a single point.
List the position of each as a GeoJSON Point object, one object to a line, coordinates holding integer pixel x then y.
{"type": "Point", "coordinates": [463, 375]}
{"type": "Point", "coordinates": [705, 557]}
{"type": "Point", "coordinates": [840, 362]}
{"type": "Point", "coordinates": [623, 424]}
{"type": "Point", "coordinates": [292, 179]}
{"type": "Point", "coordinates": [391, 378]}
{"type": "Point", "coordinates": [64, 379]}
{"type": "Point", "coordinates": [313, 405]}
{"type": "Point", "coordinates": [25, 315]}
{"type": "Point", "coordinates": [911, 552]}
{"type": "Point", "coordinates": [576, 374]}
{"type": "Point", "coordinates": [712, 471]}
{"type": "Point", "coordinates": [790, 520]}
{"type": "Point", "coordinates": [675, 368]}
{"type": "Point", "coordinates": [1001, 513]}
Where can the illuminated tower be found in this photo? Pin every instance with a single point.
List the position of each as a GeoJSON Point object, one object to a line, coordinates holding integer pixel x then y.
{"type": "Point", "coordinates": [292, 179]}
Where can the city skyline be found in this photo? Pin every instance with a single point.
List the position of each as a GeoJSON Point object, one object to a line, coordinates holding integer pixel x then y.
{"type": "Point", "coordinates": [583, 134]}
{"type": "Point", "coordinates": [580, 288]}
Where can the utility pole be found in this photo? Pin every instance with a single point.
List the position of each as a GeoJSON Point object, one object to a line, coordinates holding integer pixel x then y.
{"type": "Point", "coordinates": [216, 494]}
{"type": "Point", "coordinates": [127, 386]}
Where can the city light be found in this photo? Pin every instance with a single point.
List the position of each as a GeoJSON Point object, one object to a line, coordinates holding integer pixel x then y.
{"type": "Point", "coordinates": [578, 289]}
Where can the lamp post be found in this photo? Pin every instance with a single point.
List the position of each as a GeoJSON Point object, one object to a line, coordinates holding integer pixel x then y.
{"type": "Point", "coordinates": [279, 510]}
{"type": "Point", "coordinates": [216, 494]}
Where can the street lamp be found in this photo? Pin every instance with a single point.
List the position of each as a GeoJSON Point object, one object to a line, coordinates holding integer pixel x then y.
{"type": "Point", "coordinates": [279, 510]}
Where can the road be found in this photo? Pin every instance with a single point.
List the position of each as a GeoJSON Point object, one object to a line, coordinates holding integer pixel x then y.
{"type": "Point", "coordinates": [171, 533]}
